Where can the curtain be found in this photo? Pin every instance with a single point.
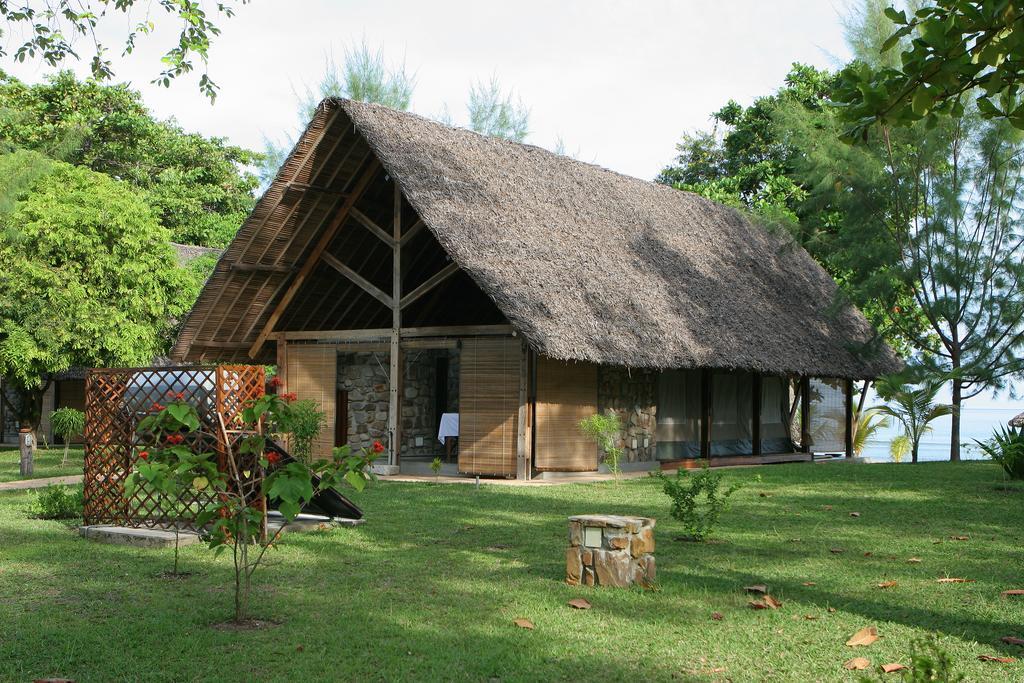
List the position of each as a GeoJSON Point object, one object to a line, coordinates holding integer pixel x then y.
{"type": "Point", "coordinates": [678, 425]}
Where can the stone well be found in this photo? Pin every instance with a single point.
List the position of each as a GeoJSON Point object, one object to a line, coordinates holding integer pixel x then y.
{"type": "Point", "coordinates": [610, 550]}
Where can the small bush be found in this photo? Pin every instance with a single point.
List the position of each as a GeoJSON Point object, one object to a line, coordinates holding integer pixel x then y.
{"type": "Point", "coordinates": [1006, 447]}
{"type": "Point", "coordinates": [59, 502]}
{"type": "Point", "coordinates": [604, 431]}
{"type": "Point", "coordinates": [697, 500]}
{"type": "Point", "coordinates": [306, 422]}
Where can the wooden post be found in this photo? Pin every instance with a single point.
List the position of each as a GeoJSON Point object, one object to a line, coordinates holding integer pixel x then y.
{"type": "Point", "coordinates": [705, 415]}
{"type": "Point", "coordinates": [805, 414]}
{"type": "Point", "coordinates": [524, 468]}
{"type": "Point", "coordinates": [282, 365]}
{"type": "Point", "coordinates": [755, 426]}
{"type": "Point", "coordinates": [26, 442]}
{"type": "Point", "coordinates": [849, 418]}
{"type": "Point", "coordinates": [396, 370]}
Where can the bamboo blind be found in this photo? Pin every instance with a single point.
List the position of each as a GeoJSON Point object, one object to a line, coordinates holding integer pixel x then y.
{"type": "Point", "coordinates": [566, 394]}
{"type": "Point", "coordinates": [489, 405]}
{"type": "Point", "coordinates": [313, 374]}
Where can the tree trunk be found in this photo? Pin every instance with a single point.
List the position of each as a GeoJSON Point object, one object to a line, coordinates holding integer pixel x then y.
{"type": "Point", "coordinates": [913, 450]}
{"type": "Point", "coordinates": [954, 429]}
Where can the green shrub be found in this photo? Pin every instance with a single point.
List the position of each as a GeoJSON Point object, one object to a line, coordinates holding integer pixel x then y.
{"type": "Point", "coordinates": [929, 663]}
{"type": "Point", "coordinates": [697, 500]}
{"type": "Point", "coordinates": [306, 422]}
{"type": "Point", "coordinates": [67, 422]}
{"type": "Point", "coordinates": [1006, 447]}
{"type": "Point", "coordinates": [604, 430]}
{"type": "Point", "coordinates": [59, 502]}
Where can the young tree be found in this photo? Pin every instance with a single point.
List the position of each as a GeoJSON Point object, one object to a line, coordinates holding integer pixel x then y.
{"type": "Point", "coordinates": [90, 279]}
{"type": "Point", "coordinates": [199, 186]}
{"type": "Point", "coordinates": [49, 30]}
{"type": "Point", "coordinates": [914, 408]}
{"type": "Point", "coordinates": [495, 113]}
{"type": "Point", "coordinates": [364, 75]}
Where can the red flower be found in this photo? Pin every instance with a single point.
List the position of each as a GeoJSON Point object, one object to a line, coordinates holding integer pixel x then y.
{"type": "Point", "coordinates": [272, 457]}
{"type": "Point", "coordinates": [378, 447]}
{"type": "Point", "coordinates": [275, 381]}
{"type": "Point", "coordinates": [289, 396]}
{"type": "Point", "coordinates": [170, 393]}
{"type": "Point", "coordinates": [175, 439]}
{"type": "Point", "coordinates": [144, 455]}
{"type": "Point", "coordinates": [180, 396]}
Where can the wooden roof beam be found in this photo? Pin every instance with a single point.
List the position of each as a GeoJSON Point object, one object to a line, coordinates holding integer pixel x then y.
{"type": "Point", "coordinates": [357, 279]}
{"type": "Point", "coordinates": [314, 256]}
{"type": "Point", "coordinates": [260, 268]}
{"type": "Point", "coordinates": [370, 225]}
{"type": "Point", "coordinates": [411, 232]}
{"type": "Point", "coordinates": [434, 280]}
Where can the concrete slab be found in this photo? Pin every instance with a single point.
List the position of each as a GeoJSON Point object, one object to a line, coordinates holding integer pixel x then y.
{"type": "Point", "coordinates": [140, 538]}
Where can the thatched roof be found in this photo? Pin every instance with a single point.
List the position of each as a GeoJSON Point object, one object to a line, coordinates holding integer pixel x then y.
{"type": "Point", "coordinates": [1017, 421]}
{"type": "Point", "coordinates": [187, 253]}
{"type": "Point", "coordinates": [585, 263]}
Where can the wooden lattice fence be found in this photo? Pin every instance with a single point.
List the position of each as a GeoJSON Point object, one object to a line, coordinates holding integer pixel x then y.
{"type": "Point", "coordinates": [116, 399]}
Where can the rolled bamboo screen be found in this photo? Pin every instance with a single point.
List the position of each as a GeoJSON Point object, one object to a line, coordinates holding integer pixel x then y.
{"type": "Point", "coordinates": [566, 394]}
{"type": "Point", "coordinates": [489, 405]}
{"type": "Point", "coordinates": [313, 374]}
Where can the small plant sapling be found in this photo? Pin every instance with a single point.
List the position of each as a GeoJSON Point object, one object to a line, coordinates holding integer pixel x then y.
{"type": "Point", "coordinates": [67, 422]}
{"type": "Point", "coordinates": [697, 500]}
{"type": "Point", "coordinates": [604, 430]}
{"type": "Point", "coordinates": [435, 465]}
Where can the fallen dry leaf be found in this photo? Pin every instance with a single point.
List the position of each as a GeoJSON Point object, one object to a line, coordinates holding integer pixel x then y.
{"type": "Point", "coordinates": [914, 560]}
{"type": "Point", "coordinates": [855, 514]}
{"type": "Point", "coordinates": [579, 603]}
{"type": "Point", "coordinates": [953, 579]}
{"type": "Point", "coordinates": [959, 538]}
{"type": "Point", "coordinates": [887, 584]}
{"type": "Point", "coordinates": [524, 623]}
{"type": "Point", "coordinates": [810, 583]}
{"type": "Point", "coordinates": [889, 668]}
{"type": "Point", "coordinates": [810, 617]}
{"type": "Point", "coordinates": [1011, 640]}
{"type": "Point", "coordinates": [938, 542]}
{"type": "Point", "coordinates": [868, 554]}
{"type": "Point", "coordinates": [756, 588]}
{"type": "Point", "coordinates": [857, 664]}
{"type": "Point", "coordinates": [993, 658]}
{"type": "Point", "coordinates": [717, 616]}
{"type": "Point", "coordinates": [835, 551]}
{"type": "Point", "coordinates": [863, 637]}
{"type": "Point", "coordinates": [765, 602]}
{"type": "Point", "coordinates": [831, 610]}
{"type": "Point", "coordinates": [1015, 591]}
{"type": "Point", "coordinates": [300, 648]}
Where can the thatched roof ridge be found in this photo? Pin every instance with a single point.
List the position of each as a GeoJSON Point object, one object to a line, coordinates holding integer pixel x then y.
{"type": "Point", "coordinates": [587, 264]}
{"type": "Point", "coordinates": [594, 265]}
{"type": "Point", "coordinates": [1017, 421]}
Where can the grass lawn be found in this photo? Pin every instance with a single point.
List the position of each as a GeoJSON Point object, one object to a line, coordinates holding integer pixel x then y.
{"type": "Point", "coordinates": [428, 588]}
{"type": "Point", "coordinates": [46, 463]}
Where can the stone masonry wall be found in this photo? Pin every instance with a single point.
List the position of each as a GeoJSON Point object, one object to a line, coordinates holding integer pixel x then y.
{"type": "Point", "coordinates": [632, 394]}
{"type": "Point", "coordinates": [365, 377]}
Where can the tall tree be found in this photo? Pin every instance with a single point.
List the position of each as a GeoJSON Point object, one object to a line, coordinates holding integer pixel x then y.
{"type": "Point", "coordinates": [497, 113]}
{"type": "Point", "coordinates": [364, 75]}
{"type": "Point", "coordinates": [90, 279]}
{"type": "Point", "coordinates": [48, 30]}
{"type": "Point", "coordinates": [199, 186]}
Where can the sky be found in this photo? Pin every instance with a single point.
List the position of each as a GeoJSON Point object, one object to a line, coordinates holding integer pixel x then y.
{"type": "Point", "coordinates": [617, 82]}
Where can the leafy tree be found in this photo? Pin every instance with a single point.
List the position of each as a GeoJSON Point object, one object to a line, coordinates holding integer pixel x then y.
{"type": "Point", "coordinates": [363, 76]}
{"type": "Point", "coordinates": [913, 407]}
{"type": "Point", "coordinates": [90, 279]}
{"type": "Point", "coordinates": [49, 31]}
{"type": "Point", "coordinates": [605, 429]}
{"type": "Point", "coordinates": [951, 50]}
{"type": "Point", "coordinates": [197, 185]}
{"type": "Point", "coordinates": [67, 422]}
{"type": "Point", "coordinates": [495, 113]}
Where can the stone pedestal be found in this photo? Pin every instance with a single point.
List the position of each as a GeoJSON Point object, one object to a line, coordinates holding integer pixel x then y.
{"type": "Point", "coordinates": [610, 550]}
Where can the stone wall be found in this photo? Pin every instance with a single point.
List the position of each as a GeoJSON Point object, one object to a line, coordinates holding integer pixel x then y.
{"type": "Point", "coordinates": [610, 550]}
{"type": "Point", "coordinates": [365, 377]}
{"type": "Point", "coordinates": [632, 394]}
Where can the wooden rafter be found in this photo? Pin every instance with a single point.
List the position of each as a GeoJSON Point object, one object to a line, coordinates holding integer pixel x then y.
{"type": "Point", "coordinates": [434, 280]}
{"type": "Point", "coordinates": [406, 332]}
{"type": "Point", "coordinates": [314, 257]}
{"type": "Point", "coordinates": [260, 268]}
{"type": "Point", "coordinates": [411, 232]}
{"type": "Point", "coordinates": [357, 279]}
{"type": "Point", "coordinates": [370, 225]}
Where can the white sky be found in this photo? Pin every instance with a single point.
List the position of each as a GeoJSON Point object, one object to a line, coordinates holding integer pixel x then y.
{"type": "Point", "coordinates": [619, 82]}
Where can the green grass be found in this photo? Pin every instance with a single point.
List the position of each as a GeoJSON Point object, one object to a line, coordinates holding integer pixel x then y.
{"type": "Point", "coordinates": [46, 463]}
{"type": "Point", "coordinates": [428, 588]}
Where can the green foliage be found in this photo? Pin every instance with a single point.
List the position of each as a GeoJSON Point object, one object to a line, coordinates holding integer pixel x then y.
{"type": "Point", "coordinates": [171, 461]}
{"type": "Point", "coordinates": [495, 113]}
{"type": "Point", "coordinates": [950, 51]}
{"type": "Point", "coordinates": [1006, 447]}
{"type": "Point", "coordinates": [605, 430]}
{"type": "Point", "coordinates": [90, 279]}
{"type": "Point", "coordinates": [67, 422]}
{"type": "Point", "coordinates": [869, 422]}
{"type": "Point", "coordinates": [899, 447]}
{"type": "Point", "coordinates": [697, 501]}
{"type": "Point", "coordinates": [58, 502]}
{"type": "Point", "coordinates": [306, 422]}
{"type": "Point", "coordinates": [196, 185]}
{"type": "Point", "coordinates": [929, 663]}
{"type": "Point", "coordinates": [435, 466]}
{"type": "Point", "coordinates": [912, 406]}
{"type": "Point", "coordinates": [50, 31]}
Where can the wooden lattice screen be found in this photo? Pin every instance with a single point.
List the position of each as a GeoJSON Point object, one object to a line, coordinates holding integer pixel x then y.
{"type": "Point", "coordinates": [117, 398]}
